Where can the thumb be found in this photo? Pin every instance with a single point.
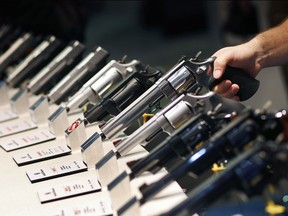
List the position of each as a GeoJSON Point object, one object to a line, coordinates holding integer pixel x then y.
{"type": "Point", "coordinates": [220, 64]}
{"type": "Point", "coordinates": [217, 73]}
{"type": "Point", "coordinates": [219, 68]}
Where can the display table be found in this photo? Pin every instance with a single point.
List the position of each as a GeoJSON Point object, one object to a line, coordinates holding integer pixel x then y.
{"type": "Point", "coordinates": [20, 197]}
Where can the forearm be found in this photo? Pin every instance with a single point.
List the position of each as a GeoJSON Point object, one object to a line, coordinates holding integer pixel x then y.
{"type": "Point", "coordinates": [272, 46]}
{"type": "Point", "coordinates": [269, 48]}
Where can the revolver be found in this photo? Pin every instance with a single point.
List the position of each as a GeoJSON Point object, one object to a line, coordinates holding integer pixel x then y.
{"type": "Point", "coordinates": [182, 142]}
{"type": "Point", "coordinates": [102, 83]}
{"type": "Point", "coordinates": [57, 68]}
{"type": "Point", "coordinates": [37, 59]}
{"type": "Point", "coordinates": [123, 95]}
{"type": "Point", "coordinates": [7, 36]}
{"type": "Point", "coordinates": [250, 172]}
{"type": "Point", "coordinates": [187, 76]}
{"type": "Point", "coordinates": [17, 50]}
{"type": "Point", "coordinates": [226, 143]}
{"type": "Point", "coordinates": [82, 72]}
{"type": "Point", "coordinates": [174, 115]}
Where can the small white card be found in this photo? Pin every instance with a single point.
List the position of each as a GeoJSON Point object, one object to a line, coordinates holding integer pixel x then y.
{"type": "Point", "coordinates": [16, 126]}
{"type": "Point", "coordinates": [7, 115]}
{"type": "Point", "coordinates": [69, 189]}
{"type": "Point", "coordinates": [92, 208]}
{"type": "Point", "coordinates": [56, 170]}
{"type": "Point", "coordinates": [32, 138]}
{"type": "Point", "coordinates": [41, 154]}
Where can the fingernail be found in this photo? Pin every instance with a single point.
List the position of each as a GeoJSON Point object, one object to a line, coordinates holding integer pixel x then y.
{"type": "Point", "coordinates": [217, 74]}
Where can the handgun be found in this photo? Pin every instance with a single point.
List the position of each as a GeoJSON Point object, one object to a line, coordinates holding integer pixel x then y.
{"type": "Point", "coordinates": [182, 142]}
{"type": "Point", "coordinates": [37, 59]}
{"type": "Point", "coordinates": [186, 76]}
{"type": "Point", "coordinates": [174, 115]}
{"type": "Point", "coordinates": [8, 36]}
{"type": "Point", "coordinates": [16, 51]}
{"type": "Point", "coordinates": [226, 143]}
{"type": "Point", "coordinates": [80, 74]}
{"type": "Point", "coordinates": [123, 95]}
{"type": "Point", "coordinates": [249, 173]}
{"type": "Point", "coordinates": [48, 76]}
{"type": "Point", "coordinates": [102, 83]}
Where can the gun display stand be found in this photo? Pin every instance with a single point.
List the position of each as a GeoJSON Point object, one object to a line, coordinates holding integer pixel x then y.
{"type": "Point", "coordinates": [92, 150]}
{"type": "Point", "coordinates": [19, 104]}
{"type": "Point", "coordinates": [120, 190]}
{"type": "Point", "coordinates": [107, 168]}
{"type": "Point", "coordinates": [4, 97]}
{"type": "Point", "coordinates": [57, 123]}
{"type": "Point", "coordinates": [75, 135]}
{"type": "Point", "coordinates": [20, 101]}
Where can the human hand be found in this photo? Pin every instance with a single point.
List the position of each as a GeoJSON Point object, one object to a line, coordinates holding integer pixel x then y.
{"type": "Point", "coordinates": [242, 56]}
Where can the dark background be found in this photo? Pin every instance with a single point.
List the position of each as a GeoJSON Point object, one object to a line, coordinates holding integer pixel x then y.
{"type": "Point", "coordinates": [155, 32]}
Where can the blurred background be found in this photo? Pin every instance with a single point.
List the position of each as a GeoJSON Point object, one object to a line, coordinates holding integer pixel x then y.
{"type": "Point", "coordinates": [157, 33]}
{"type": "Point", "coordinates": [160, 32]}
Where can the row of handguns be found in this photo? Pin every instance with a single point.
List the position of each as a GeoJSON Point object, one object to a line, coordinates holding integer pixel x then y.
{"type": "Point", "coordinates": [203, 127]}
{"type": "Point", "coordinates": [249, 142]}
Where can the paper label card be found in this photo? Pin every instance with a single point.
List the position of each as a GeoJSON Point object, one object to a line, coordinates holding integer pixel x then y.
{"type": "Point", "coordinates": [92, 208]}
{"type": "Point", "coordinates": [41, 154]}
{"type": "Point", "coordinates": [35, 137]}
{"type": "Point", "coordinates": [69, 189]}
{"type": "Point", "coordinates": [56, 170]}
{"type": "Point", "coordinates": [16, 126]}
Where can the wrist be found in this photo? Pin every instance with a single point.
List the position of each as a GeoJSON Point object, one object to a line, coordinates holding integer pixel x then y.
{"type": "Point", "coordinates": [260, 53]}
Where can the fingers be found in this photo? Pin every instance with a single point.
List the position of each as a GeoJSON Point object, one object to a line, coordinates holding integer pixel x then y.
{"type": "Point", "coordinates": [227, 89]}
{"type": "Point", "coordinates": [222, 87]}
{"type": "Point", "coordinates": [232, 91]}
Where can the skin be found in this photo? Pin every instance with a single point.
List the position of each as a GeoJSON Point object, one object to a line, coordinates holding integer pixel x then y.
{"type": "Point", "coordinates": [269, 48]}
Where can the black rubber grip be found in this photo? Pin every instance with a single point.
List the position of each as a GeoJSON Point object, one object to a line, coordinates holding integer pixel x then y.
{"type": "Point", "coordinates": [248, 85]}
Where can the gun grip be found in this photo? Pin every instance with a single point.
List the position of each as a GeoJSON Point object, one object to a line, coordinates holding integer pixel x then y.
{"type": "Point", "coordinates": [248, 85]}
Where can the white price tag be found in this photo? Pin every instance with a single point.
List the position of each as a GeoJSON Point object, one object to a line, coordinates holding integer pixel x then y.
{"type": "Point", "coordinates": [32, 138]}
{"type": "Point", "coordinates": [41, 154]}
{"type": "Point", "coordinates": [93, 208]}
{"type": "Point", "coordinates": [69, 189]}
{"type": "Point", "coordinates": [7, 115]}
{"type": "Point", "coordinates": [56, 170]}
{"type": "Point", "coordinates": [16, 126]}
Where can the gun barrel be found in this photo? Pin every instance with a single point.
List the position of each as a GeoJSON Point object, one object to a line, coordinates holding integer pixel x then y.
{"type": "Point", "coordinates": [67, 58]}
{"type": "Point", "coordinates": [102, 83]}
{"type": "Point", "coordinates": [177, 80]}
{"type": "Point", "coordinates": [16, 51]}
{"type": "Point", "coordinates": [38, 58]}
{"type": "Point", "coordinates": [167, 120]}
{"type": "Point", "coordinates": [78, 75]}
